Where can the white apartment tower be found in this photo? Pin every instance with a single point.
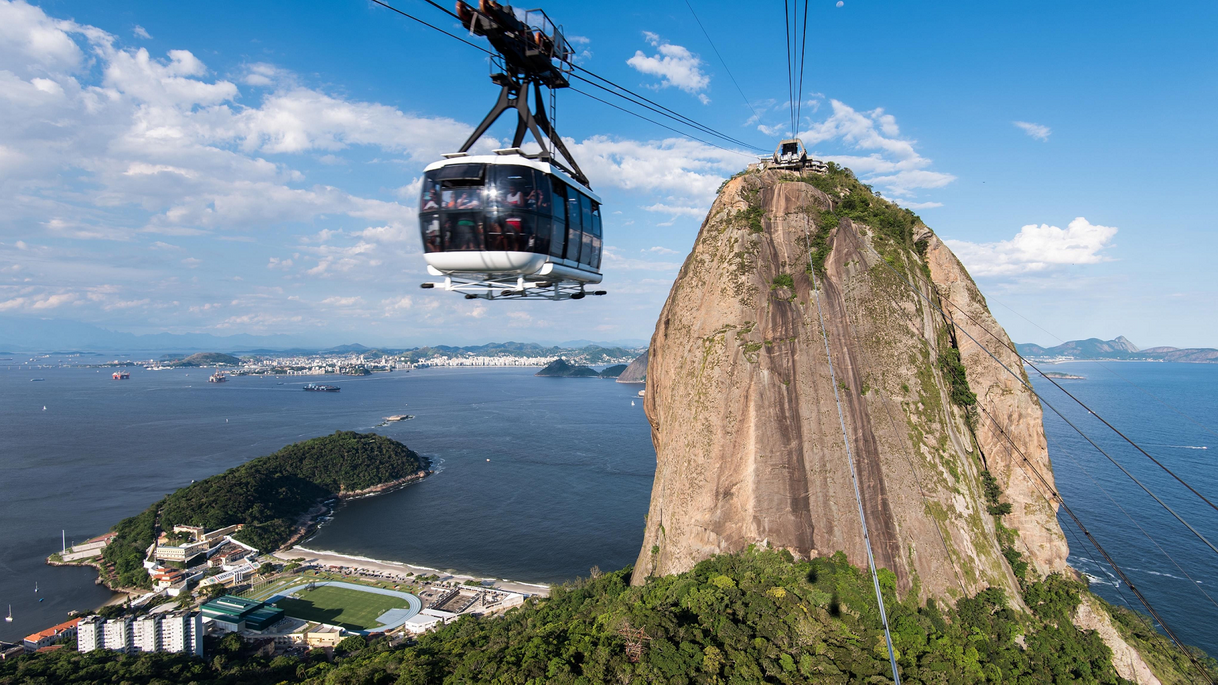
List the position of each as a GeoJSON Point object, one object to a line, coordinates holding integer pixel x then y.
{"type": "Point", "coordinates": [117, 635]}
{"type": "Point", "coordinates": [146, 634]}
{"type": "Point", "coordinates": [182, 632]}
{"type": "Point", "coordinates": [89, 634]}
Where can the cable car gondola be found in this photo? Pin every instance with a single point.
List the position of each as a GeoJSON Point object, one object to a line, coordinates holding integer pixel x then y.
{"type": "Point", "coordinates": [513, 224]}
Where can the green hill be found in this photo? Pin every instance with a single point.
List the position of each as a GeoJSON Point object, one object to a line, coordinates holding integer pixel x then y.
{"type": "Point", "coordinates": [268, 494]}
{"type": "Point", "coordinates": [754, 617]}
{"type": "Point", "coordinates": [560, 368]}
{"type": "Point", "coordinates": [206, 359]}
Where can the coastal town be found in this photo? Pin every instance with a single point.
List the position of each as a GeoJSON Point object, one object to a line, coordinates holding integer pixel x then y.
{"type": "Point", "coordinates": [345, 362]}
{"type": "Point", "coordinates": [208, 584]}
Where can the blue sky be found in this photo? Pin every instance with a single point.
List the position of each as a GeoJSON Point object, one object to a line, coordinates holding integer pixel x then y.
{"type": "Point", "coordinates": [235, 167]}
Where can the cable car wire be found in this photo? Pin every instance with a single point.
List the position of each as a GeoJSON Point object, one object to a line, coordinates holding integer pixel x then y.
{"type": "Point", "coordinates": [433, 26]}
{"type": "Point", "coordinates": [1053, 495]}
{"type": "Point", "coordinates": [1095, 543]}
{"type": "Point", "coordinates": [625, 93]}
{"type": "Point", "coordinates": [803, 60]}
{"type": "Point", "coordinates": [653, 121]}
{"type": "Point", "coordinates": [659, 109]}
{"type": "Point", "coordinates": [1028, 385]}
{"type": "Point", "coordinates": [1110, 370]}
{"type": "Point", "coordinates": [1080, 403]}
{"type": "Point", "coordinates": [786, 15]}
{"type": "Point", "coordinates": [721, 60]}
{"type": "Point", "coordinates": [858, 497]}
{"type": "Point", "coordinates": [1135, 523]}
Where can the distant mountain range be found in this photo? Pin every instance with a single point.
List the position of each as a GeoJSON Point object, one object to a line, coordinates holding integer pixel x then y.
{"type": "Point", "coordinates": [27, 334]}
{"type": "Point", "coordinates": [1120, 348]}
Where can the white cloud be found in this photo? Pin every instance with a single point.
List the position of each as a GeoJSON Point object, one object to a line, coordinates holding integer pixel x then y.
{"type": "Point", "coordinates": [1036, 248]}
{"type": "Point", "coordinates": [892, 164]}
{"type": "Point", "coordinates": [659, 250]}
{"type": "Point", "coordinates": [612, 259]}
{"type": "Point", "coordinates": [674, 65]}
{"type": "Point", "coordinates": [675, 165]}
{"type": "Point", "coordinates": [141, 32]}
{"type": "Point", "coordinates": [341, 301]}
{"type": "Point", "coordinates": [660, 207]}
{"type": "Point", "coordinates": [1036, 131]}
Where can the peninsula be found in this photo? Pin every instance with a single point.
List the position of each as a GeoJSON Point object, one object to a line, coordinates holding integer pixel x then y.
{"type": "Point", "coordinates": [274, 500]}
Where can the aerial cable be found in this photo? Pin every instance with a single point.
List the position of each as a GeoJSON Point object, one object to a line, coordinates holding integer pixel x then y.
{"type": "Point", "coordinates": [803, 60]}
{"type": "Point", "coordinates": [721, 60]}
{"type": "Point", "coordinates": [1089, 410]}
{"type": "Point", "coordinates": [1113, 372]}
{"type": "Point", "coordinates": [858, 497]}
{"type": "Point", "coordinates": [1095, 543]}
{"type": "Point", "coordinates": [1135, 523]}
{"type": "Point", "coordinates": [908, 458]}
{"type": "Point", "coordinates": [658, 109]}
{"type": "Point", "coordinates": [786, 15]}
{"type": "Point", "coordinates": [433, 26]}
{"type": "Point", "coordinates": [1053, 496]}
{"type": "Point", "coordinates": [670, 113]}
{"type": "Point", "coordinates": [653, 121]}
{"type": "Point", "coordinates": [1028, 385]}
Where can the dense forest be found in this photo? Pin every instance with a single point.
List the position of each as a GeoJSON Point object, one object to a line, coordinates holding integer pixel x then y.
{"type": "Point", "coordinates": [268, 494]}
{"type": "Point", "coordinates": [753, 617]}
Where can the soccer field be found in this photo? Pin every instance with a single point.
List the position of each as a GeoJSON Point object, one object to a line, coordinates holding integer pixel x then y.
{"type": "Point", "coordinates": [351, 609]}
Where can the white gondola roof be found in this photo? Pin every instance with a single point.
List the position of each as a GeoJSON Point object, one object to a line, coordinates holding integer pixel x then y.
{"type": "Point", "coordinates": [516, 160]}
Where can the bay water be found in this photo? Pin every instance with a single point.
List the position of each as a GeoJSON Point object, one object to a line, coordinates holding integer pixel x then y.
{"type": "Point", "coordinates": [538, 479]}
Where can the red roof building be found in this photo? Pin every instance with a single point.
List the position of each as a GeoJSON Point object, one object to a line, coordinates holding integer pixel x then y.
{"type": "Point", "coordinates": [50, 636]}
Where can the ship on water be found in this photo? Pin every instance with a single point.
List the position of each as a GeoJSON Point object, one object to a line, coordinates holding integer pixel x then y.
{"type": "Point", "coordinates": [218, 377]}
{"type": "Point", "coordinates": [120, 375]}
{"type": "Point", "coordinates": [313, 387]}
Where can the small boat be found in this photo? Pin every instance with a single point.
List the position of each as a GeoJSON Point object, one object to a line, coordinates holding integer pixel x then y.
{"type": "Point", "coordinates": [632, 403]}
{"type": "Point", "coordinates": [642, 393]}
{"type": "Point", "coordinates": [44, 407]}
{"type": "Point", "coordinates": [9, 618]}
{"type": "Point", "coordinates": [120, 375]}
{"type": "Point", "coordinates": [313, 387]}
{"type": "Point", "coordinates": [35, 587]}
{"type": "Point", "coordinates": [218, 377]}
{"type": "Point", "coordinates": [36, 380]}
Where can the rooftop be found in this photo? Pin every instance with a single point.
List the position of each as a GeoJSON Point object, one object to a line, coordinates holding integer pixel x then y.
{"type": "Point", "coordinates": [52, 631]}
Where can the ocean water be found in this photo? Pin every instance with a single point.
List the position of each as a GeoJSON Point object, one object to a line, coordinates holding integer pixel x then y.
{"type": "Point", "coordinates": [566, 486]}
{"type": "Point", "coordinates": [1171, 411]}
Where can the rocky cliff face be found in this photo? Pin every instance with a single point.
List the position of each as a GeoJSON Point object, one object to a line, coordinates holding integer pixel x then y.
{"type": "Point", "coordinates": [744, 420]}
{"type": "Point", "coordinates": [636, 372]}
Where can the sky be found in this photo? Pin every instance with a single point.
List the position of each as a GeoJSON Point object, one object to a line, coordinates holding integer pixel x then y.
{"type": "Point", "coordinates": [253, 168]}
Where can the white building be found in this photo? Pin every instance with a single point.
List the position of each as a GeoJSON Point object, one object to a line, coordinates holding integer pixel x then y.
{"type": "Point", "coordinates": [117, 635]}
{"type": "Point", "coordinates": [89, 634]}
{"type": "Point", "coordinates": [182, 632]}
{"type": "Point", "coordinates": [146, 634]}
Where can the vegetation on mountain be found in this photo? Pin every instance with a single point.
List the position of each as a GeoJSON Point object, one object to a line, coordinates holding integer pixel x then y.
{"type": "Point", "coordinates": [268, 494]}
{"type": "Point", "coordinates": [753, 617]}
{"type": "Point", "coordinates": [561, 368]}
{"type": "Point", "coordinates": [613, 371]}
{"type": "Point", "coordinates": [206, 359]}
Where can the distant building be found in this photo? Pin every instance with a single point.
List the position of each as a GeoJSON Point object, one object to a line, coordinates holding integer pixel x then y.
{"type": "Point", "coordinates": [179, 632]}
{"type": "Point", "coordinates": [146, 634]}
{"type": "Point", "coordinates": [51, 635]}
{"type": "Point", "coordinates": [180, 553]}
{"type": "Point", "coordinates": [116, 636]}
{"type": "Point", "coordinates": [323, 635]}
{"type": "Point", "coordinates": [234, 614]}
{"type": "Point", "coordinates": [182, 632]}
{"type": "Point", "coordinates": [89, 633]}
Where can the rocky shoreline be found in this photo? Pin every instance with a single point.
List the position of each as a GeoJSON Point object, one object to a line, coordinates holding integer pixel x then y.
{"type": "Point", "coordinates": [306, 525]}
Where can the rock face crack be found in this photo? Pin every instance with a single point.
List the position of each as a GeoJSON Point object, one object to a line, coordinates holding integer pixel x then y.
{"type": "Point", "coordinates": [748, 444]}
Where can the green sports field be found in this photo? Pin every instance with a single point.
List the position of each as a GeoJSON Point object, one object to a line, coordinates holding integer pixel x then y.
{"type": "Point", "coordinates": [340, 606]}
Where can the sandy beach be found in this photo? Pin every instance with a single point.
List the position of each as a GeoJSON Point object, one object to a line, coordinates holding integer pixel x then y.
{"type": "Point", "coordinates": [381, 566]}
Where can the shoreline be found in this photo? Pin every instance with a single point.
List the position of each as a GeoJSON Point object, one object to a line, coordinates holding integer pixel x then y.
{"type": "Point", "coordinates": [331, 558]}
